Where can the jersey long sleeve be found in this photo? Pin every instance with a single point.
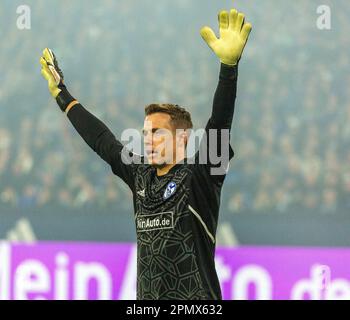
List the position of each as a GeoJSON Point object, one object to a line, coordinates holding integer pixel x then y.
{"type": "Point", "coordinates": [224, 98]}
{"type": "Point", "coordinates": [101, 140]}
{"type": "Point", "coordinates": [215, 148]}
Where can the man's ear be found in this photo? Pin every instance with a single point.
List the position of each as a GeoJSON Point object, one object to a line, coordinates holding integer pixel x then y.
{"type": "Point", "coordinates": [188, 133]}
{"type": "Point", "coordinates": [186, 136]}
{"type": "Point", "coordinates": [182, 135]}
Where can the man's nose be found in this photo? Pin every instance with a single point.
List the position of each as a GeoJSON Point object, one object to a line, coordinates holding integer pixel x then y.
{"type": "Point", "coordinates": [147, 139]}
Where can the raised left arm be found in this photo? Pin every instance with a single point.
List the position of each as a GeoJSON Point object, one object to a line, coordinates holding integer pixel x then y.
{"type": "Point", "coordinates": [234, 33]}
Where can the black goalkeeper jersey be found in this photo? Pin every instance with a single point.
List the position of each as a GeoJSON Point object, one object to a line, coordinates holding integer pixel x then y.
{"type": "Point", "coordinates": [176, 214]}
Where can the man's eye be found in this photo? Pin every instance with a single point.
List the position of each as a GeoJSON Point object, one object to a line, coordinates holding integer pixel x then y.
{"type": "Point", "coordinates": [157, 133]}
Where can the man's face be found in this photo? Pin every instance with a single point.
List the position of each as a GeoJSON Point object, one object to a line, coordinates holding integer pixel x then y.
{"type": "Point", "coordinates": [160, 140]}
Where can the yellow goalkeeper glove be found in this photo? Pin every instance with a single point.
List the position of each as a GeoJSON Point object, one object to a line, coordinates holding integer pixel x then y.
{"type": "Point", "coordinates": [51, 72]}
{"type": "Point", "coordinates": [54, 76]}
{"type": "Point", "coordinates": [234, 33]}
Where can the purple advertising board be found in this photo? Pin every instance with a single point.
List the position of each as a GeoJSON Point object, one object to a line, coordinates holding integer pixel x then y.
{"type": "Point", "coordinates": [82, 271]}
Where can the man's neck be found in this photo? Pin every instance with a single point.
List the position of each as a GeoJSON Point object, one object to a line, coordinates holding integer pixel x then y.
{"type": "Point", "coordinates": [164, 170]}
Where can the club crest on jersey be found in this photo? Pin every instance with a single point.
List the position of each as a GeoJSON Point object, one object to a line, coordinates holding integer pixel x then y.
{"type": "Point", "coordinates": [170, 190]}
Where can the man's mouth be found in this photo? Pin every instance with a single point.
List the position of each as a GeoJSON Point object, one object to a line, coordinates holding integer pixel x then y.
{"type": "Point", "coordinates": [151, 153]}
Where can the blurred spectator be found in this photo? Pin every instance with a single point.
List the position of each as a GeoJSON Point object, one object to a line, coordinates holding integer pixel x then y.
{"type": "Point", "coordinates": [291, 129]}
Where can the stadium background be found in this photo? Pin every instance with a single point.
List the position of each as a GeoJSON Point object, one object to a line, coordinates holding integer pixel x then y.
{"type": "Point", "coordinates": [289, 183]}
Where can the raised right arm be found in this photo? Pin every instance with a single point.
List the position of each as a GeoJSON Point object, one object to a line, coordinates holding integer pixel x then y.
{"type": "Point", "coordinates": [93, 131]}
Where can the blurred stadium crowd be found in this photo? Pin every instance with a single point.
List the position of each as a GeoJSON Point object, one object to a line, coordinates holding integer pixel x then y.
{"type": "Point", "coordinates": [291, 129]}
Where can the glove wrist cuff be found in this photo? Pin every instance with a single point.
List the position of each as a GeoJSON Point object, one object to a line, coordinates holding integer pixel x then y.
{"type": "Point", "coordinates": [228, 72]}
{"type": "Point", "coordinates": [64, 99]}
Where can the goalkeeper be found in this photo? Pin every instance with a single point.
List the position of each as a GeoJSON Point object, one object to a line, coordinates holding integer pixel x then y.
{"type": "Point", "coordinates": [176, 203]}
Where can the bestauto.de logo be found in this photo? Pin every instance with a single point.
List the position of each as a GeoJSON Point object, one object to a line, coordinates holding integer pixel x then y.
{"type": "Point", "coordinates": [157, 221]}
